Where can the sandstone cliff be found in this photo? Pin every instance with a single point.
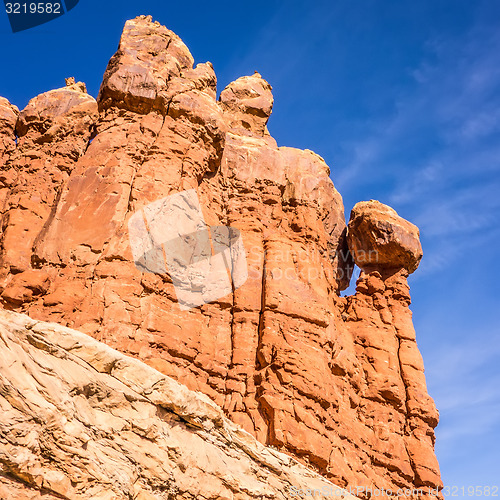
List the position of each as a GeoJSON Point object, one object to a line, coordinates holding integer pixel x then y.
{"type": "Point", "coordinates": [337, 382]}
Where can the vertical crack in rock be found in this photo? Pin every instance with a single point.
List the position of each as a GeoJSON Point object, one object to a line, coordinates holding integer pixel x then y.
{"type": "Point", "coordinates": [260, 362]}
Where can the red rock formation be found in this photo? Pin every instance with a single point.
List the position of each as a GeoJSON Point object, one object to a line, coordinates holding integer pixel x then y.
{"type": "Point", "coordinates": [337, 382]}
{"type": "Point", "coordinates": [8, 118]}
{"type": "Point", "coordinates": [379, 238]}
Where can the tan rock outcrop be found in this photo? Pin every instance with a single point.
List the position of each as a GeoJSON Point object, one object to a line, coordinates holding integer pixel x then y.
{"type": "Point", "coordinates": [336, 382]}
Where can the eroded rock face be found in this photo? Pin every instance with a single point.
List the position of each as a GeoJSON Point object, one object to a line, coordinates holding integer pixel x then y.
{"type": "Point", "coordinates": [8, 118]}
{"type": "Point", "coordinates": [380, 239]}
{"type": "Point", "coordinates": [148, 57]}
{"type": "Point", "coordinates": [80, 420]}
{"type": "Point", "coordinates": [393, 385]}
{"type": "Point", "coordinates": [247, 104]}
{"type": "Point", "coordinates": [52, 133]}
{"type": "Point", "coordinates": [336, 382]}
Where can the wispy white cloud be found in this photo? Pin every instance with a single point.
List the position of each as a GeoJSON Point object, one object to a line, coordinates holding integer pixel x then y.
{"type": "Point", "coordinates": [466, 390]}
{"type": "Point", "coordinates": [440, 151]}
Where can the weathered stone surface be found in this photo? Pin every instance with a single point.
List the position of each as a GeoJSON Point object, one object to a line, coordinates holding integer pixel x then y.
{"type": "Point", "coordinates": [380, 323]}
{"type": "Point", "coordinates": [336, 382]}
{"type": "Point", "coordinates": [53, 132]}
{"type": "Point", "coordinates": [247, 102]}
{"type": "Point", "coordinates": [148, 58]}
{"type": "Point", "coordinates": [379, 238]}
{"type": "Point", "coordinates": [81, 420]}
{"type": "Point", "coordinates": [8, 118]}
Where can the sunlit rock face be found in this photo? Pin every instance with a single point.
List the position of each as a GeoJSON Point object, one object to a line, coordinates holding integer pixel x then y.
{"type": "Point", "coordinates": [336, 382]}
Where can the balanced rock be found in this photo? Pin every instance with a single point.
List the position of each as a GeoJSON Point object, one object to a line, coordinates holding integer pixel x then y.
{"type": "Point", "coordinates": [379, 238]}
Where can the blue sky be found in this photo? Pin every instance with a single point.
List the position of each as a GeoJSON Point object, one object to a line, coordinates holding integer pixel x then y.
{"type": "Point", "coordinates": [402, 99]}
